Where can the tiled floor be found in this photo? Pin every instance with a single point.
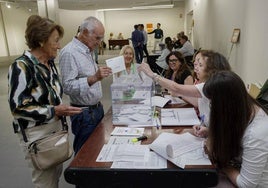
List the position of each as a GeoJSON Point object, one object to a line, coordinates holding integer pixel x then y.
{"type": "Point", "coordinates": [14, 172]}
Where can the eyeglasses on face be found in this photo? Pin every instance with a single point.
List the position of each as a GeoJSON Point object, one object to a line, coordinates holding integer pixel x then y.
{"type": "Point", "coordinates": [95, 35]}
{"type": "Point", "coordinates": [173, 60]}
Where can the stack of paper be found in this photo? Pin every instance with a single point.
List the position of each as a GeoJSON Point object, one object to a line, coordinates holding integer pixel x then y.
{"type": "Point", "coordinates": [180, 149]}
{"type": "Point", "coordinates": [127, 154]}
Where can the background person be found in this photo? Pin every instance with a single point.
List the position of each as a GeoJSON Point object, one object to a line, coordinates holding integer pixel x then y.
{"type": "Point", "coordinates": [120, 36]}
{"type": "Point", "coordinates": [35, 97]}
{"type": "Point", "coordinates": [128, 53]}
{"type": "Point", "coordinates": [178, 71]}
{"type": "Point", "coordinates": [111, 37]}
{"type": "Point", "coordinates": [137, 41]}
{"type": "Point", "coordinates": [187, 50]}
{"type": "Point", "coordinates": [145, 40]}
{"type": "Point", "coordinates": [196, 59]}
{"type": "Point", "coordinates": [177, 43]}
{"type": "Point", "coordinates": [158, 35]}
{"type": "Point", "coordinates": [81, 78]}
{"type": "Point", "coordinates": [160, 65]}
{"type": "Point", "coordinates": [237, 138]}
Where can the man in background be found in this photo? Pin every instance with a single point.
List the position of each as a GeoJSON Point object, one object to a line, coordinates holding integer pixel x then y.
{"type": "Point", "coordinates": [158, 35]}
{"type": "Point", "coordinates": [141, 26]}
{"type": "Point", "coordinates": [137, 41]}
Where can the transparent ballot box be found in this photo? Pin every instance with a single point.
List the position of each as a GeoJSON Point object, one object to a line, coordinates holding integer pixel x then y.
{"type": "Point", "coordinates": [131, 101]}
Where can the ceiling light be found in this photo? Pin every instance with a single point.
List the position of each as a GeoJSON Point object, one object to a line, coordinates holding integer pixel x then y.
{"type": "Point", "coordinates": [8, 5]}
{"type": "Point", "coordinates": [140, 7]}
{"type": "Point", "coordinates": [154, 6]}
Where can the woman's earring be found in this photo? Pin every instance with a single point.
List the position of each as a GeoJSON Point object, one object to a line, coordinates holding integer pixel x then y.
{"type": "Point", "coordinates": [41, 44]}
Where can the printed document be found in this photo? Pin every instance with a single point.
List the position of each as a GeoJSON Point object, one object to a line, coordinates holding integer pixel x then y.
{"type": "Point", "coordinates": [188, 149]}
{"type": "Point", "coordinates": [179, 116]}
{"type": "Point", "coordinates": [124, 152]}
{"type": "Point", "coordinates": [127, 154]}
{"type": "Point", "coordinates": [154, 162]}
{"type": "Point", "coordinates": [127, 131]}
{"type": "Point", "coordinates": [117, 140]}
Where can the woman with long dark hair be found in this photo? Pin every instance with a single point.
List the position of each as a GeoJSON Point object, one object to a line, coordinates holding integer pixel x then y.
{"type": "Point", "coordinates": [238, 129]}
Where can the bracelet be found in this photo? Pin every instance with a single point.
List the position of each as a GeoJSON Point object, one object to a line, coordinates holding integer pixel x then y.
{"type": "Point", "coordinates": [156, 77]}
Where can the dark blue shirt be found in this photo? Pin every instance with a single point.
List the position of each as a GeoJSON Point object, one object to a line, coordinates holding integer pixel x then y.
{"type": "Point", "coordinates": [137, 38]}
{"type": "Point", "coordinates": [158, 33]}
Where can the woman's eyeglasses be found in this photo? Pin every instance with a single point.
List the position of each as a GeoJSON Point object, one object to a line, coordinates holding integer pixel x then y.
{"type": "Point", "coordinates": [173, 60]}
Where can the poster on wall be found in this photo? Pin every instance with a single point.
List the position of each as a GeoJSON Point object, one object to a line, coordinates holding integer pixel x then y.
{"type": "Point", "coordinates": [149, 27]}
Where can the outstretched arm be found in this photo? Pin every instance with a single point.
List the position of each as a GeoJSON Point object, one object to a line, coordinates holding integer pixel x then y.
{"type": "Point", "coordinates": [179, 89]}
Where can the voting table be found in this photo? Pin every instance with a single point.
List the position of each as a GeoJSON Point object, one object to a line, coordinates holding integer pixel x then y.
{"type": "Point", "coordinates": [84, 171]}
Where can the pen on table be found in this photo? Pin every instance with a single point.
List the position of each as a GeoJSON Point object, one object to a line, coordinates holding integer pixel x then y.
{"type": "Point", "coordinates": [156, 119]}
{"type": "Point", "coordinates": [202, 121]}
{"type": "Point", "coordinates": [139, 138]}
{"type": "Point", "coordinates": [158, 124]}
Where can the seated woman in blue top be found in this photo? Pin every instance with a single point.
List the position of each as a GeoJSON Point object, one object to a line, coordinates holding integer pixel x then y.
{"type": "Point", "coordinates": [178, 70]}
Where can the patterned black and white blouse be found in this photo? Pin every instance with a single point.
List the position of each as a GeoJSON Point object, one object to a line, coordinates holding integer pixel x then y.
{"type": "Point", "coordinates": [33, 91]}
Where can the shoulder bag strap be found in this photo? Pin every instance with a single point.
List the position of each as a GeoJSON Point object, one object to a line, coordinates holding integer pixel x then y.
{"type": "Point", "coordinates": [63, 123]}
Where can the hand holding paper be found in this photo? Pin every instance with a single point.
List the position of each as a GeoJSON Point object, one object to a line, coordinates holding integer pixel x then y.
{"type": "Point", "coordinates": [117, 64]}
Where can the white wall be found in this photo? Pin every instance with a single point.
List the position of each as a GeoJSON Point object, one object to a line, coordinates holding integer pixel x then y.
{"type": "Point", "coordinates": [3, 48]}
{"type": "Point", "coordinates": [214, 21]}
{"type": "Point", "coordinates": [70, 20]}
{"type": "Point", "coordinates": [214, 24]}
{"type": "Point", "coordinates": [114, 21]}
{"type": "Point", "coordinates": [255, 36]}
{"type": "Point", "coordinates": [15, 25]}
{"type": "Point", "coordinates": [124, 21]}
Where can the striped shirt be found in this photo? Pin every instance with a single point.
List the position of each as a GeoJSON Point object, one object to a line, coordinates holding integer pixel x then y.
{"type": "Point", "coordinates": [76, 64]}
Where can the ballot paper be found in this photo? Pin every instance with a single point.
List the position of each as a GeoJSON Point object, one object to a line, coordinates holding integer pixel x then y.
{"type": "Point", "coordinates": [117, 64]}
{"type": "Point", "coordinates": [127, 131]}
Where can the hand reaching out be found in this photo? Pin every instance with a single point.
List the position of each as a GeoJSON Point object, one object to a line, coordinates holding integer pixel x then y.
{"type": "Point", "coordinates": [66, 110]}
{"type": "Point", "coordinates": [144, 67]}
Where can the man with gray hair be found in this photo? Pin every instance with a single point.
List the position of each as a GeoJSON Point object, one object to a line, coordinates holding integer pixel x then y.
{"type": "Point", "coordinates": [81, 79]}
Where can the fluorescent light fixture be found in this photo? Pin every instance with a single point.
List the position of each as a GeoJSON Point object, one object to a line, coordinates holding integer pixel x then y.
{"type": "Point", "coordinates": [154, 6]}
{"type": "Point", "coordinates": [140, 7]}
{"type": "Point", "coordinates": [8, 5]}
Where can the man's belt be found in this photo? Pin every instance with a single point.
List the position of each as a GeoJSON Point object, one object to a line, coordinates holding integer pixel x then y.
{"type": "Point", "coordinates": [87, 106]}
